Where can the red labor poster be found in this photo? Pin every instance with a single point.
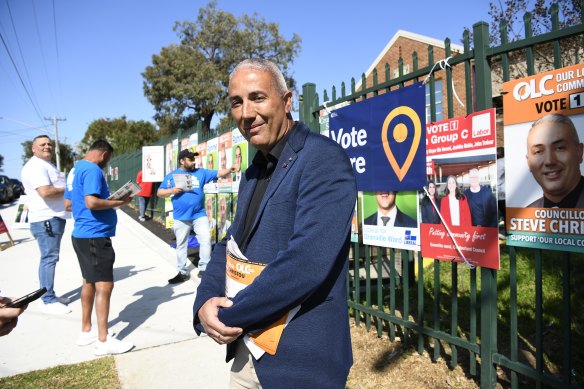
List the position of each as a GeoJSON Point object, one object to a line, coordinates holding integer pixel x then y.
{"type": "Point", "coordinates": [458, 209]}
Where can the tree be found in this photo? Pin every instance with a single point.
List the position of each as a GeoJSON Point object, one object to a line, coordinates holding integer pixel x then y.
{"type": "Point", "coordinates": [511, 12]}
{"type": "Point", "coordinates": [226, 123]}
{"type": "Point", "coordinates": [188, 82]}
{"type": "Point", "coordinates": [509, 15]}
{"type": "Point", "coordinates": [67, 155]}
{"type": "Point", "coordinates": [1, 162]}
{"type": "Point", "coordinates": [124, 135]}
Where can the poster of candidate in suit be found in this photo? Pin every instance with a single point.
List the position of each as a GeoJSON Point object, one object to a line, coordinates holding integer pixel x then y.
{"type": "Point", "coordinates": [390, 219]}
{"type": "Point", "coordinates": [544, 185]}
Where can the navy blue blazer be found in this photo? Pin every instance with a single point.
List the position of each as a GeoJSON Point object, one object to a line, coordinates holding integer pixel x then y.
{"type": "Point", "coordinates": [302, 233]}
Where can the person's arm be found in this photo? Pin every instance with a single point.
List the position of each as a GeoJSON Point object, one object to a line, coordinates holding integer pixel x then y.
{"type": "Point", "coordinates": [222, 173]}
{"type": "Point", "coordinates": [50, 191]}
{"type": "Point", "coordinates": [167, 188]}
{"type": "Point", "coordinates": [493, 214]}
{"type": "Point", "coordinates": [97, 204]}
{"type": "Point", "coordinates": [9, 316]}
{"type": "Point", "coordinates": [208, 317]}
{"type": "Point", "coordinates": [168, 192]}
{"type": "Point", "coordinates": [68, 205]}
{"type": "Point", "coordinates": [465, 215]}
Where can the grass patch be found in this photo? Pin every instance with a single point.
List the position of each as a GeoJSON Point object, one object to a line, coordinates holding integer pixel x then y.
{"type": "Point", "coordinates": [97, 374]}
{"type": "Point", "coordinates": [554, 305]}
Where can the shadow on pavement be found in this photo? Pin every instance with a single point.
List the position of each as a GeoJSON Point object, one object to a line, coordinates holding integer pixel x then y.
{"type": "Point", "coordinates": [140, 310]}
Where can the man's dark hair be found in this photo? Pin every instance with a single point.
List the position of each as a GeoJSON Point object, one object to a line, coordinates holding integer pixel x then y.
{"type": "Point", "coordinates": [102, 145]}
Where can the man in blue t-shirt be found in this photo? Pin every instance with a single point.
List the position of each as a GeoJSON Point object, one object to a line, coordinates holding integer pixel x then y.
{"type": "Point", "coordinates": [188, 209]}
{"type": "Point", "coordinates": [86, 194]}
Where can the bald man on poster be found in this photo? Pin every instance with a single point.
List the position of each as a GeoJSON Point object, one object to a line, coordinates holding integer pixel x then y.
{"type": "Point", "coordinates": [554, 155]}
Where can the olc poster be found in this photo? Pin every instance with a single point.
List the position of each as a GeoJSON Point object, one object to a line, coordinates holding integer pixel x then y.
{"type": "Point", "coordinates": [460, 223]}
{"type": "Point", "coordinates": [544, 129]}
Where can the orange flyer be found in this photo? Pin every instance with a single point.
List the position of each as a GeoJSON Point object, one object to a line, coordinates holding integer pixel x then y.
{"type": "Point", "coordinates": [239, 273]}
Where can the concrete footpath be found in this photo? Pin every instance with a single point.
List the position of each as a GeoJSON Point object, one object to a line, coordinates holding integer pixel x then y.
{"type": "Point", "coordinates": [145, 310]}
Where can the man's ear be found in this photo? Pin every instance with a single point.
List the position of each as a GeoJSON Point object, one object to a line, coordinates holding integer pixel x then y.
{"type": "Point", "coordinates": [288, 101]}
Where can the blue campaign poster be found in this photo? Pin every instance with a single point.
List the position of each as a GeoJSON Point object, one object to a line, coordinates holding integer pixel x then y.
{"type": "Point", "coordinates": [385, 138]}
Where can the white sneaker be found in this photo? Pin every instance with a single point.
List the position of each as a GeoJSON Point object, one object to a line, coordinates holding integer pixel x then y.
{"type": "Point", "coordinates": [86, 338]}
{"type": "Point", "coordinates": [111, 346]}
{"type": "Point", "coordinates": [55, 308]}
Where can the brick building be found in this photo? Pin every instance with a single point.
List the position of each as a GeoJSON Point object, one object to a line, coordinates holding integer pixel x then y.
{"type": "Point", "coordinates": [403, 45]}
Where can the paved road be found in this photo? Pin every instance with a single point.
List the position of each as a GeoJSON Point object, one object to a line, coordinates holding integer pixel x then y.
{"type": "Point", "coordinates": [145, 310]}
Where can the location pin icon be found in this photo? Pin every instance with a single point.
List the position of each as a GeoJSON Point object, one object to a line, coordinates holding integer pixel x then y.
{"type": "Point", "coordinates": [400, 134]}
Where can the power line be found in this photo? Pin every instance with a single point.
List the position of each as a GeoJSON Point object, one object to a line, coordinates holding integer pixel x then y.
{"type": "Point", "coordinates": [20, 78]}
{"type": "Point", "coordinates": [36, 22]}
{"type": "Point", "coordinates": [58, 59]}
{"type": "Point", "coordinates": [21, 54]}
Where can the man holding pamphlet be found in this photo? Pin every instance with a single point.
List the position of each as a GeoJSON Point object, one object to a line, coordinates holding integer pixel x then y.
{"type": "Point", "coordinates": [88, 196]}
{"type": "Point", "coordinates": [185, 185]}
{"type": "Point", "coordinates": [274, 290]}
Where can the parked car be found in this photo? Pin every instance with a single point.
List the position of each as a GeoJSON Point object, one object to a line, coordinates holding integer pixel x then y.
{"type": "Point", "coordinates": [17, 187]}
{"type": "Point", "coordinates": [3, 194]}
{"type": "Point", "coordinates": [4, 180]}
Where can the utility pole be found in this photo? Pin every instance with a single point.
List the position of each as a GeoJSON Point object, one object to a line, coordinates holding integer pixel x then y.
{"type": "Point", "coordinates": [55, 119]}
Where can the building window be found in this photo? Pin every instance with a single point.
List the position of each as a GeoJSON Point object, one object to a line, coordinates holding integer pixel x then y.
{"type": "Point", "coordinates": [396, 71]}
{"type": "Point", "coordinates": [438, 104]}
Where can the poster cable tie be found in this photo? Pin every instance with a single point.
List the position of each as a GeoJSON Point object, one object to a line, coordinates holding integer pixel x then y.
{"type": "Point", "coordinates": [443, 63]}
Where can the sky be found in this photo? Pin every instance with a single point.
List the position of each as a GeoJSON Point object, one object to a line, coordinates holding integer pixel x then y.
{"type": "Point", "coordinates": [81, 60]}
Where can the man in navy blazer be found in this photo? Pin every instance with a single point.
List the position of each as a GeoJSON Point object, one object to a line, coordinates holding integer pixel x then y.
{"type": "Point", "coordinates": [293, 214]}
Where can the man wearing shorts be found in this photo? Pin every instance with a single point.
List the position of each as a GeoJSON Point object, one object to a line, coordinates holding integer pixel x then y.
{"type": "Point", "coordinates": [95, 223]}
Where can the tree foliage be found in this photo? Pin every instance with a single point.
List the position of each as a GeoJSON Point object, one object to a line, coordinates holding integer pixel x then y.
{"type": "Point", "coordinates": [511, 12]}
{"type": "Point", "coordinates": [1, 163]}
{"type": "Point", "coordinates": [124, 135]}
{"type": "Point", "coordinates": [67, 154]}
{"type": "Point", "coordinates": [510, 16]}
{"type": "Point", "coordinates": [188, 82]}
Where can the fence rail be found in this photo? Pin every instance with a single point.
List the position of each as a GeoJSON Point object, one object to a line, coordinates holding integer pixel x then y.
{"type": "Point", "coordinates": [432, 309]}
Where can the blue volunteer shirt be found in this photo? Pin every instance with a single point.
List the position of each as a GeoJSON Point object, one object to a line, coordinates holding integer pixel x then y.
{"type": "Point", "coordinates": [189, 205]}
{"type": "Point", "coordinates": [86, 179]}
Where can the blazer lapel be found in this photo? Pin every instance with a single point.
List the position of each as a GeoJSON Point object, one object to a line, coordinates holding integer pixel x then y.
{"type": "Point", "coordinates": [289, 156]}
{"type": "Point", "coordinates": [243, 200]}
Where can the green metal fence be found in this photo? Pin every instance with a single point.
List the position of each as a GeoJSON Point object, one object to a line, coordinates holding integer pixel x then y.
{"type": "Point", "coordinates": [474, 320]}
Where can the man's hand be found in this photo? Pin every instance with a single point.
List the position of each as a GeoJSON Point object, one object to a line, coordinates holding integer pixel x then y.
{"type": "Point", "coordinates": [8, 316]}
{"type": "Point", "coordinates": [127, 199]}
{"type": "Point", "coordinates": [208, 315]}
